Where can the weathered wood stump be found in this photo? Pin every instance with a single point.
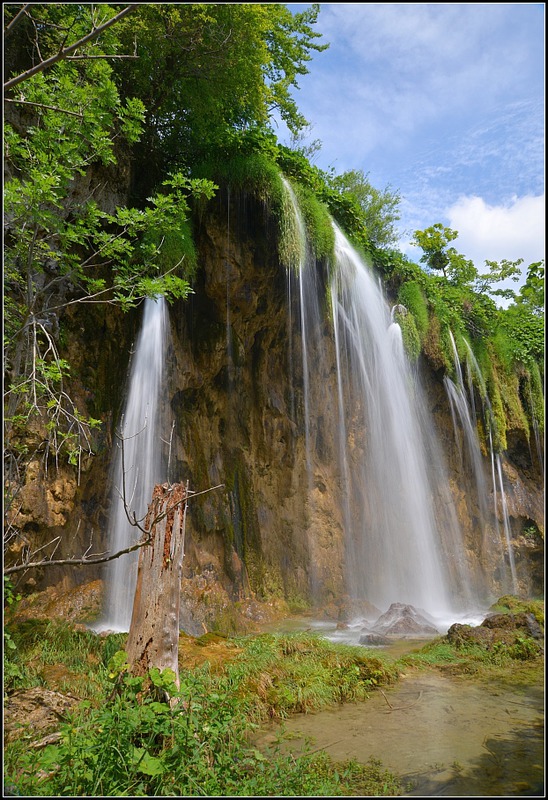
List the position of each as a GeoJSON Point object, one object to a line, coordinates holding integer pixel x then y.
{"type": "Point", "coordinates": [153, 638]}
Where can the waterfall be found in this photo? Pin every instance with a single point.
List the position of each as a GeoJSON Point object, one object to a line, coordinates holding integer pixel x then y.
{"type": "Point", "coordinates": [402, 537]}
{"type": "Point", "coordinates": [300, 268]}
{"type": "Point", "coordinates": [506, 524]}
{"type": "Point", "coordinates": [143, 467]}
{"type": "Point", "coordinates": [296, 269]}
{"type": "Point", "coordinates": [464, 412]}
{"type": "Point", "coordinates": [401, 527]}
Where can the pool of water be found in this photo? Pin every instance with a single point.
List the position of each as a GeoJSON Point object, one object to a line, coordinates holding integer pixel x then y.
{"type": "Point", "coordinates": [441, 735]}
{"type": "Point", "coordinates": [351, 631]}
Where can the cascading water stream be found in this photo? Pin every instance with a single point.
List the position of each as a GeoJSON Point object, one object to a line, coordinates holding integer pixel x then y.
{"type": "Point", "coordinates": [463, 411]}
{"type": "Point", "coordinates": [299, 271]}
{"type": "Point", "coordinates": [138, 463]}
{"type": "Point", "coordinates": [398, 548]}
{"type": "Point", "coordinates": [403, 540]}
{"type": "Point", "coordinates": [463, 408]}
{"type": "Point", "coordinates": [506, 526]}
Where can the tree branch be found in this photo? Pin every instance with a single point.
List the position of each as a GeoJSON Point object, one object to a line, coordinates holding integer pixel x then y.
{"type": "Point", "coordinates": [42, 105]}
{"type": "Point", "coordinates": [15, 20]}
{"type": "Point", "coordinates": [85, 561]}
{"type": "Point", "coordinates": [64, 52]}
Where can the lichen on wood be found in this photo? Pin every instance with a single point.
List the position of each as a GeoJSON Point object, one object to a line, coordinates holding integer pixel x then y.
{"type": "Point", "coordinates": [154, 631]}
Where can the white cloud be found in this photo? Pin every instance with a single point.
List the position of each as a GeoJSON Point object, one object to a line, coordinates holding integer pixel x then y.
{"type": "Point", "coordinates": [493, 232]}
{"type": "Point", "coordinates": [487, 232]}
{"type": "Point", "coordinates": [455, 55]}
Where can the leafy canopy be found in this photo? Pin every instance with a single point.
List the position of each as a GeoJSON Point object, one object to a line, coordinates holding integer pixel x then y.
{"type": "Point", "coordinates": [66, 126]}
{"type": "Point", "coordinates": [205, 70]}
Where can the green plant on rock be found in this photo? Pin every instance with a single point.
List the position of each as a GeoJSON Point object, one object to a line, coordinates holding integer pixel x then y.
{"type": "Point", "coordinates": [319, 228]}
{"type": "Point", "coordinates": [509, 603]}
{"type": "Point", "coordinates": [533, 397]}
{"type": "Point", "coordinates": [411, 296]}
{"type": "Point", "coordinates": [410, 335]}
{"type": "Point", "coordinates": [12, 669]}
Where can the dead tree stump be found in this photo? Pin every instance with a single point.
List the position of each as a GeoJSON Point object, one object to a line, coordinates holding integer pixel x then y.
{"type": "Point", "coordinates": [153, 639]}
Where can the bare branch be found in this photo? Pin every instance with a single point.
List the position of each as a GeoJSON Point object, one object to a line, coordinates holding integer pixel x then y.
{"type": "Point", "coordinates": [79, 562]}
{"type": "Point", "coordinates": [42, 105]}
{"type": "Point", "coordinates": [88, 58]}
{"type": "Point", "coordinates": [85, 561]}
{"type": "Point", "coordinates": [15, 20]}
{"type": "Point", "coordinates": [64, 52]}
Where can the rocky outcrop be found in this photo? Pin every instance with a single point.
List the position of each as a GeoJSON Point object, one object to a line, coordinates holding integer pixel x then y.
{"type": "Point", "coordinates": [39, 710]}
{"type": "Point", "coordinates": [234, 391]}
{"type": "Point", "coordinates": [510, 630]}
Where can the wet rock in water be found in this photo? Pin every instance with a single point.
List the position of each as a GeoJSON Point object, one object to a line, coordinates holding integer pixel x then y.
{"type": "Point", "coordinates": [461, 635]}
{"type": "Point", "coordinates": [404, 621]}
{"type": "Point", "coordinates": [520, 621]}
{"type": "Point", "coordinates": [374, 639]}
{"type": "Point", "coordinates": [506, 629]}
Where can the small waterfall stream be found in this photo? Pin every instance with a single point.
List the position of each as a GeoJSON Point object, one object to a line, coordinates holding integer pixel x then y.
{"type": "Point", "coordinates": [142, 434]}
{"type": "Point", "coordinates": [463, 411]}
{"type": "Point", "coordinates": [403, 539]}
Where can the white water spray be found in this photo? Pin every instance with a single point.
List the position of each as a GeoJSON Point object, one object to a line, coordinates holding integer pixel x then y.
{"type": "Point", "coordinates": [143, 467]}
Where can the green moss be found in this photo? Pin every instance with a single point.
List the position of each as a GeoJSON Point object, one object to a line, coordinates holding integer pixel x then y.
{"type": "Point", "coordinates": [511, 604]}
{"type": "Point", "coordinates": [173, 247]}
{"type": "Point", "coordinates": [497, 417]}
{"type": "Point", "coordinates": [291, 247]}
{"type": "Point", "coordinates": [504, 392]}
{"type": "Point", "coordinates": [412, 297]}
{"type": "Point", "coordinates": [317, 220]}
{"type": "Point", "coordinates": [410, 334]}
{"type": "Point", "coordinates": [533, 397]}
{"type": "Point", "coordinates": [297, 604]}
{"type": "Point", "coordinates": [243, 532]}
{"type": "Point", "coordinates": [433, 347]}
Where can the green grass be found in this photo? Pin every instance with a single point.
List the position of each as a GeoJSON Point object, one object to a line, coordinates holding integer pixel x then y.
{"type": "Point", "coordinates": [130, 743]}
{"type": "Point", "coordinates": [123, 740]}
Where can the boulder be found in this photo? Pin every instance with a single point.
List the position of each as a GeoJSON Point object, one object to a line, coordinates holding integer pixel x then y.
{"type": "Point", "coordinates": [497, 628]}
{"type": "Point", "coordinates": [37, 710]}
{"type": "Point", "coordinates": [404, 621]}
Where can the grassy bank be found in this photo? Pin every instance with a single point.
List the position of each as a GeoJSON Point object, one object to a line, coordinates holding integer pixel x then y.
{"type": "Point", "coordinates": [117, 741]}
{"type": "Point", "coordinates": [113, 739]}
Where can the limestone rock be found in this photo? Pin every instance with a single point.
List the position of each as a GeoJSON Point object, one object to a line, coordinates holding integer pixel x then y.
{"type": "Point", "coordinates": [38, 711]}
{"type": "Point", "coordinates": [404, 621]}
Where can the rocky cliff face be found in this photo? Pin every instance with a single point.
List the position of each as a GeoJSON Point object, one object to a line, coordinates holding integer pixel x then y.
{"type": "Point", "coordinates": [234, 391]}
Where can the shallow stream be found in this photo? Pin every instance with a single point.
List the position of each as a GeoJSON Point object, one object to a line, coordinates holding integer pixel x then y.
{"type": "Point", "coordinates": [441, 734]}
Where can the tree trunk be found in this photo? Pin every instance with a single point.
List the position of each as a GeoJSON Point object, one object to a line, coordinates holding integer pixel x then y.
{"type": "Point", "coordinates": [153, 639]}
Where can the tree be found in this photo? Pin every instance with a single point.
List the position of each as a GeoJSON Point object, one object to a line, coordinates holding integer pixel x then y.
{"type": "Point", "coordinates": [229, 67]}
{"type": "Point", "coordinates": [523, 320]}
{"type": "Point", "coordinates": [380, 208]}
{"type": "Point", "coordinates": [532, 292]}
{"type": "Point", "coordinates": [498, 272]}
{"type": "Point", "coordinates": [437, 255]}
{"type": "Point", "coordinates": [66, 121]}
{"type": "Point", "coordinates": [154, 630]}
{"type": "Point", "coordinates": [64, 51]}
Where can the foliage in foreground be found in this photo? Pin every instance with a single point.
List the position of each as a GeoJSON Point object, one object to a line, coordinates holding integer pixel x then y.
{"type": "Point", "coordinates": [125, 741]}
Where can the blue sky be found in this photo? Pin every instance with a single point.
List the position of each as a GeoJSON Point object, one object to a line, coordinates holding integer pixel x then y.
{"type": "Point", "coordinates": [443, 102]}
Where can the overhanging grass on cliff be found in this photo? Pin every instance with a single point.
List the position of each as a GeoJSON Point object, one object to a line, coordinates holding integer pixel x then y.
{"type": "Point", "coordinates": [259, 176]}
